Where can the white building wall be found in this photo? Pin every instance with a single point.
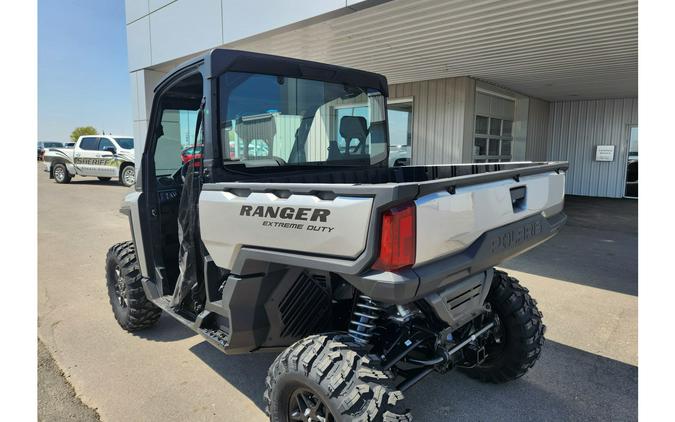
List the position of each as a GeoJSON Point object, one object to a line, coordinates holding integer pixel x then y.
{"type": "Point", "coordinates": [577, 127]}
{"type": "Point", "coordinates": [442, 118]}
{"type": "Point", "coordinates": [536, 147]}
{"type": "Point", "coordinates": [159, 31]}
{"type": "Point", "coordinates": [163, 30]}
{"type": "Point", "coordinates": [143, 83]}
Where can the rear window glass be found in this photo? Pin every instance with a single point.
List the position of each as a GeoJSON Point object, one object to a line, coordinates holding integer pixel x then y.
{"type": "Point", "coordinates": [287, 121]}
{"type": "Point", "coordinates": [125, 143]}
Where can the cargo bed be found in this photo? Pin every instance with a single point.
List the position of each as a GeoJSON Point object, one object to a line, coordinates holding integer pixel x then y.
{"type": "Point", "coordinates": [457, 206]}
{"type": "Point", "coordinates": [324, 174]}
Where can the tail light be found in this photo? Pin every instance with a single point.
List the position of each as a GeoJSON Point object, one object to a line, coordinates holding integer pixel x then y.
{"type": "Point", "coordinates": [397, 243]}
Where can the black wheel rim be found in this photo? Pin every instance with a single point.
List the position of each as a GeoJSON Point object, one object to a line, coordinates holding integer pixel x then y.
{"type": "Point", "coordinates": [305, 405]}
{"type": "Point", "coordinates": [120, 288]}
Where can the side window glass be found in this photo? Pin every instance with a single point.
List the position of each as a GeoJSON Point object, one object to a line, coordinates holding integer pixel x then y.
{"type": "Point", "coordinates": [89, 144]}
{"type": "Point", "coordinates": [105, 143]}
{"type": "Point", "coordinates": [179, 107]}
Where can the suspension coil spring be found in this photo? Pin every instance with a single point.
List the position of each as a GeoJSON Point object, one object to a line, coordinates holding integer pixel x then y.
{"type": "Point", "coordinates": [364, 320]}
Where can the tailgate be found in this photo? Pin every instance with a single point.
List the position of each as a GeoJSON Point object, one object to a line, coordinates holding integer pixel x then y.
{"type": "Point", "coordinates": [449, 222]}
{"type": "Point", "coordinates": [303, 223]}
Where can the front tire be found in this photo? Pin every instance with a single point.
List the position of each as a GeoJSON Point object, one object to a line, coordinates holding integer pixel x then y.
{"type": "Point", "coordinates": [520, 333]}
{"type": "Point", "coordinates": [61, 174]}
{"type": "Point", "coordinates": [128, 176]}
{"type": "Point", "coordinates": [331, 379]}
{"type": "Point", "coordinates": [132, 309]}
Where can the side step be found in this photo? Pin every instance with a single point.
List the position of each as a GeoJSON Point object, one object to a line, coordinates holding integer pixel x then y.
{"type": "Point", "coordinates": [164, 302]}
{"type": "Point", "coordinates": [216, 336]}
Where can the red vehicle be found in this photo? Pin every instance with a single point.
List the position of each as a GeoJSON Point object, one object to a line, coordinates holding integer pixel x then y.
{"type": "Point", "coordinates": [192, 153]}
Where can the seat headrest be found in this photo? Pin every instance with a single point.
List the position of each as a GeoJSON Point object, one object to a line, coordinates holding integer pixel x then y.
{"type": "Point", "coordinates": [353, 127]}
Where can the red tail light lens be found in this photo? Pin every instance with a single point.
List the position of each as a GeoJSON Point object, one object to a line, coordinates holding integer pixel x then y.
{"type": "Point", "coordinates": [397, 243]}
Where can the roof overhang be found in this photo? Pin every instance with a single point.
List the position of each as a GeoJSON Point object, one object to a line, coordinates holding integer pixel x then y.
{"type": "Point", "coordinates": [555, 50]}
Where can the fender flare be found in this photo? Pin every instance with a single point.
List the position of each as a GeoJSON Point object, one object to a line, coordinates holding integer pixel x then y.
{"type": "Point", "coordinates": [124, 164]}
{"type": "Point", "coordinates": [58, 160]}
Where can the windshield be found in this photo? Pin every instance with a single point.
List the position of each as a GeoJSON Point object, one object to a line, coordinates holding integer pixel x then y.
{"type": "Point", "coordinates": [53, 144]}
{"type": "Point", "coordinates": [125, 143]}
{"type": "Point", "coordinates": [299, 121]}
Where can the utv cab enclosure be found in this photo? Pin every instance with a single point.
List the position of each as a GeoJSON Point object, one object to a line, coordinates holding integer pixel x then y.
{"type": "Point", "coordinates": [292, 234]}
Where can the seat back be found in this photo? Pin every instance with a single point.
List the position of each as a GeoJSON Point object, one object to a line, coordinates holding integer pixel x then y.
{"type": "Point", "coordinates": [354, 128]}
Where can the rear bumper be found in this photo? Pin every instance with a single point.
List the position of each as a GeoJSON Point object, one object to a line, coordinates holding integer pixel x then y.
{"type": "Point", "coordinates": [489, 250]}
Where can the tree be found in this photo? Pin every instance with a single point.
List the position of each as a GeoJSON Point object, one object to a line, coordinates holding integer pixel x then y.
{"type": "Point", "coordinates": [81, 131]}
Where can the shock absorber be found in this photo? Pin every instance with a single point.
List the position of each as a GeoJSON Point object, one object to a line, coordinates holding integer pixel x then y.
{"type": "Point", "coordinates": [364, 319]}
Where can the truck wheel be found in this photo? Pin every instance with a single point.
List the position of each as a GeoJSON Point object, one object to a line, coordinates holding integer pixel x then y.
{"type": "Point", "coordinates": [132, 309]}
{"type": "Point", "coordinates": [128, 176]}
{"type": "Point", "coordinates": [61, 174]}
{"type": "Point", "coordinates": [516, 346]}
{"type": "Point", "coordinates": [104, 179]}
{"type": "Point", "coordinates": [322, 378]}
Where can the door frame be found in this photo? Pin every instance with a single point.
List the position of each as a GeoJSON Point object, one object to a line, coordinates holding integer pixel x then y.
{"type": "Point", "coordinates": [149, 201]}
{"type": "Point", "coordinates": [404, 100]}
{"type": "Point", "coordinates": [626, 157]}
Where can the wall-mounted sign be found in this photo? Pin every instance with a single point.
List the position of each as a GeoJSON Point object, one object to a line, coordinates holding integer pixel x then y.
{"type": "Point", "coordinates": [604, 153]}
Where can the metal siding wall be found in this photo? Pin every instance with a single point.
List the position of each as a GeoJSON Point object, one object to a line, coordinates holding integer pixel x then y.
{"type": "Point", "coordinates": [536, 146]}
{"type": "Point", "coordinates": [576, 127]}
{"type": "Point", "coordinates": [440, 109]}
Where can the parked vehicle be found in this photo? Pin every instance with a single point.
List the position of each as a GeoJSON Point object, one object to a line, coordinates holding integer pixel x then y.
{"type": "Point", "coordinates": [192, 153]}
{"type": "Point", "coordinates": [399, 155]}
{"type": "Point", "coordinates": [102, 156]}
{"type": "Point", "coordinates": [44, 146]}
{"type": "Point", "coordinates": [366, 277]}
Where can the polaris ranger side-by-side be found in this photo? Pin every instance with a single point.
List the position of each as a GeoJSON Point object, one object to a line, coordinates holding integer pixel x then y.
{"type": "Point", "coordinates": [291, 233]}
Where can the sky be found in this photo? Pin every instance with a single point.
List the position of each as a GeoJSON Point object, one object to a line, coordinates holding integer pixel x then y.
{"type": "Point", "coordinates": [82, 68]}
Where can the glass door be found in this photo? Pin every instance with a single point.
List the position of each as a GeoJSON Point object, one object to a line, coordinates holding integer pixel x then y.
{"type": "Point", "coordinates": [632, 165]}
{"type": "Point", "coordinates": [400, 117]}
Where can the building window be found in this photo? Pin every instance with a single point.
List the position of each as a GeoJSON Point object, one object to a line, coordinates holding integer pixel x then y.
{"type": "Point", "coordinates": [400, 117]}
{"type": "Point", "coordinates": [493, 139]}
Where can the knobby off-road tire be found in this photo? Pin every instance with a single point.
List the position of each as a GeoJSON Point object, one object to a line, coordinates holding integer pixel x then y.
{"type": "Point", "coordinates": [60, 173]}
{"type": "Point", "coordinates": [522, 332]}
{"type": "Point", "coordinates": [132, 309]}
{"type": "Point", "coordinates": [338, 374]}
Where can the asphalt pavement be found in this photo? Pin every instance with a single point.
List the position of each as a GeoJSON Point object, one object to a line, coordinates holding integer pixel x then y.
{"type": "Point", "coordinates": [585, 281]}
{"type": "Point", "coordinates": [56, 398]}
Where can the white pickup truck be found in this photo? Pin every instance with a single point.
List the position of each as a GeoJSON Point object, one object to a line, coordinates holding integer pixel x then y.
{"type": "Point", "coordinates": [102, 156]}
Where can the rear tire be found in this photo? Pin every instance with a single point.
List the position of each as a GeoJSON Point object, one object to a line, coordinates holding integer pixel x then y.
{"type": "Point", "coordinates": [132, 309]}
{"type": "Point", "coordinates": [334, 376]}
{"type": "Point", "coordinates": [60, 173]}
{"type": "Point", "coordinates": [128, 175]}
{"type": "Point", "coordinates": [104, 179]}
{"type": "Point", "coordinates": [522, 333]}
